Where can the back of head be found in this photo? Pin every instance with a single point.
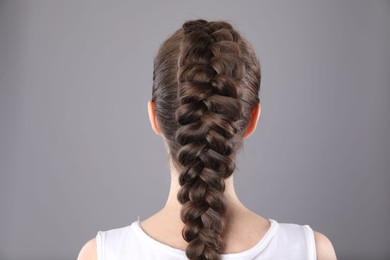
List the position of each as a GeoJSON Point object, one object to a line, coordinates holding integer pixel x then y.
{"type": "Point", "coordinates": [205, 85]}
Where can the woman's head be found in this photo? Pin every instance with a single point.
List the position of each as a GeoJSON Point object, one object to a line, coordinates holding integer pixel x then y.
{"type": "Point", "coordinates": [206, 82]}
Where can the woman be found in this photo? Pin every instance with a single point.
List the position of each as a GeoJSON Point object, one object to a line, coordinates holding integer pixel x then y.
{"type": "Point", "coordinates": [204, 103]}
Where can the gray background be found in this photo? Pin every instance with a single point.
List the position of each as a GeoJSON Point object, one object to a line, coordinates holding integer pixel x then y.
{"type": "Point", "coordinates": [77, 154]}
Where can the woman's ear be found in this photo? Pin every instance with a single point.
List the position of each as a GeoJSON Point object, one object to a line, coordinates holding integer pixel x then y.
{"type": "Point", "coordinates": [254, 119]}
{"type": "Point", "coordinates": [152, 118]}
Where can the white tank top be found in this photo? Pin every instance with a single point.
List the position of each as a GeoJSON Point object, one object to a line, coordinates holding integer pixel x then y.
{"type": "Point", "coordinates": [282, 241]}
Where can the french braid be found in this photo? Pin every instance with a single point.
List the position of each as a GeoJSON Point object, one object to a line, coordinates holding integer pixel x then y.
{"type": "Point", "coordinates": [206, 83]}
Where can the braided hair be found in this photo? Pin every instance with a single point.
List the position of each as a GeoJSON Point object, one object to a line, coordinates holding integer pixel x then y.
{"type": "Point", "coordinates": [205, 85]}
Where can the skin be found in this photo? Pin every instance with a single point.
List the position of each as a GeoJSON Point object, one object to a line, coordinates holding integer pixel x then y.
{"type": "Point", "coordinates": [245, 227]}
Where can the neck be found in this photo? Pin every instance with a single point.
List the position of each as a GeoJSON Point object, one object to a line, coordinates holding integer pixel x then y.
{"type": "Point", "coordinates": [243, 223]}
{"type": "Point", "coordinates": [232, 202]}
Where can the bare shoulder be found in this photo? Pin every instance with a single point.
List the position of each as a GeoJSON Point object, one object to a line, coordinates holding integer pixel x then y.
{"type": "Point", "coordinates": [89, 251]}
{"type": "Point", "coordinates": [325, 250]}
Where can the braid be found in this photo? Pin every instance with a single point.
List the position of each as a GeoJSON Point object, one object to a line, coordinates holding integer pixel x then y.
{"type": "Point", "coordinates": [210, 67]}
{"type": "Point", "coordinates": [205, 84]}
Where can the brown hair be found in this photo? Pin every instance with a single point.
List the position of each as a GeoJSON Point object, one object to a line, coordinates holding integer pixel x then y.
{"type": "Point", "coordinates": [206, 81]}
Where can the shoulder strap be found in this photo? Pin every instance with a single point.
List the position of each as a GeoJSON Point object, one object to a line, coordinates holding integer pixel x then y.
{"type": "Point", "coordinates": [311, 245]}
{"type": "Point", "coordinates": [100, 237]}
{"type": "Point", "coordinates": [296, 240]}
